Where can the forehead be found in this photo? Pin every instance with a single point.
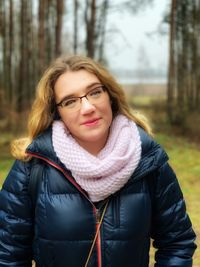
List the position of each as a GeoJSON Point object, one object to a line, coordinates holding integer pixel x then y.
{"type": "Point", "coordinates": [72, 82]}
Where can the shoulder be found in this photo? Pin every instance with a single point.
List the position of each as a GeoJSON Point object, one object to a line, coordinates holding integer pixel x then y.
{"type": "Point", "coordinates": [42, 142]}
{"type": "Point", "coordinates": [153, 156]}
{"type": "Point", "coordinates": [42, 146]}
{"type": "Point", "coordinates": [18, 177]}
{"type": "Point", "coordinates": [151, 148]}
{"type": "Point", "coordinates": [147, 142]}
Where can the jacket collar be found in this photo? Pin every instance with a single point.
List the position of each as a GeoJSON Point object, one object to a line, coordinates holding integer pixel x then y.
{"type": "Point", "coordinates": [153, 155]}
{"type": "Point", "coordinates": [42, 146]}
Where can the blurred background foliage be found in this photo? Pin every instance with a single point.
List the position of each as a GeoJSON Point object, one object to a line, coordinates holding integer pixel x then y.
{"type": "Point", "coordinates": [34, 32]}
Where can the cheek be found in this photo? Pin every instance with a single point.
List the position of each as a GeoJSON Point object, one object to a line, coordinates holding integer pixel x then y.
{"type": "Point", "coordinates": [108, 110]}
{"type": "Point", "coordinates": [110, 115]}
{"type": "Point", "coordinates": [68, 120]}
{"type": "Point", "coordinates": [106, 113]}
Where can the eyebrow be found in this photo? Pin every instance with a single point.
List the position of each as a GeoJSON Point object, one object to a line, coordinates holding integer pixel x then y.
{"type": "Point", "coordinates": [88, 87]}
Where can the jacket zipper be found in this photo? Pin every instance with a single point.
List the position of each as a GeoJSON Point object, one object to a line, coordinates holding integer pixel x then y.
{"type": "Point", "coordinates": [95, 210]}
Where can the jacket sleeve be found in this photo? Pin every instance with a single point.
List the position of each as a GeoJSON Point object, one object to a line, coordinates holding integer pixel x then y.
{"type": "Point", "coordinates": [171, 227]}
{"type": "Point", "coordinates": [16, 218]}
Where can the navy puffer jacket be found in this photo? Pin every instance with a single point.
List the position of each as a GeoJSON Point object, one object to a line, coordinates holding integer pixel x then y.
{"type": "Point", "coordinates": [64, 220]}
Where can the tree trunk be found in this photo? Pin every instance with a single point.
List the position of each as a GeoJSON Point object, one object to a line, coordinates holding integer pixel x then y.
{"type": "Point", "coordinates": [21, 104]}
{"type": "Point", "coordinates": [182, 63]}
{"type": "Point", "coordinates": [10, 53]}
{"type": "Point", "coordinates": [171, 71]}
{"type": "Point", "coordinates": [75, 43]}
{"type": "Point", "coordinates": [90, 18]}
{"type": "Point", "coordinates": [196, 54]}
{"type": "Point", "coordinates": [5, 51]}
{"type": "Point", "coordinates": [60, 7]}
{"type": "Point", "coordinates": [31, 77]}
{"type": "Point", "coordinates": [102, 30]}
{"type": "Point", "coordinates": [41, 36]}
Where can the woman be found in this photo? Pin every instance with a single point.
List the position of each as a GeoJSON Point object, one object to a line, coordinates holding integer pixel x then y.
{"type": "Point", "coordinates": [106, 186]}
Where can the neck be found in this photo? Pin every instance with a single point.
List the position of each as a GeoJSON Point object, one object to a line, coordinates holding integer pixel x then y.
{"type": "Point", "coordinates": [92, 147]}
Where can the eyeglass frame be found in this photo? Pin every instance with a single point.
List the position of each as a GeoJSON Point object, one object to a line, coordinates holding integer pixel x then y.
{"type": "Point", "coordinates": [80, 97]}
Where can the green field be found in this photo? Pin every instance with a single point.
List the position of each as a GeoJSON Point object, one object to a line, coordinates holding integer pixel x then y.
{"type": "Point", "coordinates": [185, 160]}
{"type": "Point", "coordinates": [5, 157]}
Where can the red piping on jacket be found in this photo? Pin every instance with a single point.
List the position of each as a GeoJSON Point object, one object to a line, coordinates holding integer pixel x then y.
{"type": "Point", "coordinates": [63, 171]}
{"type": "Point", "coordinates": [98, 242]}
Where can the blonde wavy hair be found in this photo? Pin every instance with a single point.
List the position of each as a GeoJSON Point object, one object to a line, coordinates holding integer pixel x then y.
{"type": "Point", "coordinates": [44, 112]}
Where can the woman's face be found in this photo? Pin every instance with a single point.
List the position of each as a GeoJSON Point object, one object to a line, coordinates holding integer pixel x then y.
{"type": "Point", "coordinates": [89, 120]}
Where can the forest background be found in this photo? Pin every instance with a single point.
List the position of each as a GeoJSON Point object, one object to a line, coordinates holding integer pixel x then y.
{"type": "Point", "coordinates": [33, 33]}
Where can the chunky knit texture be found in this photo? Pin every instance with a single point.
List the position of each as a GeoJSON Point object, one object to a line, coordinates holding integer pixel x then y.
{"type": "Point", "coordinates": [106, 173]}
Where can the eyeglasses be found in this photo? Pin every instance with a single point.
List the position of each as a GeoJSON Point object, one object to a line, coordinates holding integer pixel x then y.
{"type": "Point", "coordinates": [94, 96]}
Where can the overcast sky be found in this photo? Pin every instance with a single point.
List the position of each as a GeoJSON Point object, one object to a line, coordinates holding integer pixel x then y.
{"type": "Point", "coordinates": [138, 43]}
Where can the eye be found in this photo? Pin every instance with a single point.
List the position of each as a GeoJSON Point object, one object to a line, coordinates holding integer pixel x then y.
{"type": "Point", "coordinates": [69, 102]}
{"type": "Point", "coordinates": [96, 92]}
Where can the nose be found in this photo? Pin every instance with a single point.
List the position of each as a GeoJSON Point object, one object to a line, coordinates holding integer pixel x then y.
{"type": "Point", "coordinates": [86, 106]}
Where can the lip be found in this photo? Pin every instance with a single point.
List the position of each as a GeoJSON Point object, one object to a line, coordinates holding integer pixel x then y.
{"type": "Point", "coordinates": [91, 122]}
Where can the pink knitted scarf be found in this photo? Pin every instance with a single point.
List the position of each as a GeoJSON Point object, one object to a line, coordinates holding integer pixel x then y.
{"type": "Point", "coordinates": [106, 173]}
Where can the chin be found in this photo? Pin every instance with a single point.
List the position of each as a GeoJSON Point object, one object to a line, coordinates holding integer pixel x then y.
{"type": "Point", "coordinates": [94, 137]}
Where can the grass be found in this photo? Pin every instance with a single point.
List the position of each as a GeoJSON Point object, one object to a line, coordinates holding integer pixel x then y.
{"type": "Point", "coordinates": [6, 160]}
{"type": "Point", "coordinates": [144, 101]}
{"type": "Point", "coordinates": [184, 158]}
